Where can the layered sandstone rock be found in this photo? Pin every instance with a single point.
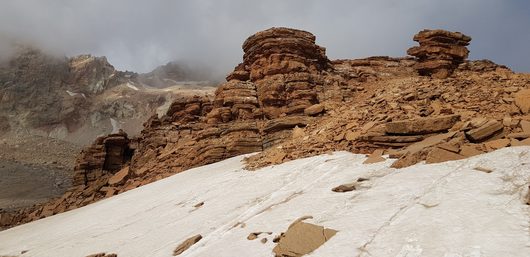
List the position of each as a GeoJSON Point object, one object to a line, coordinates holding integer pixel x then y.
{"type": "Point", "coordinates": [285, 64]}
{"type": "Point", "coordinates": [105, 156]}
{"type": "Point", "coordinates": [440, 52]}
{"type": "Point", "coordinates": [263, 99]}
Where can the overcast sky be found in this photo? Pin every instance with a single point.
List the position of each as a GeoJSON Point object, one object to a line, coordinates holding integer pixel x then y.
{"type": "Point", "coordinates": [139, 35]}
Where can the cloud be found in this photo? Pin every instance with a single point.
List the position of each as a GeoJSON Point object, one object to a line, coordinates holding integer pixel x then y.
{"type": "Point", "coordinates": [140, 35]}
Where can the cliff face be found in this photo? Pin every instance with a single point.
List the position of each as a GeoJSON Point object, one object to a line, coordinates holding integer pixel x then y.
{"type": "Point", "coordinates": [73, 99]}
{"type": "Point", "coordinates": [286, 100]}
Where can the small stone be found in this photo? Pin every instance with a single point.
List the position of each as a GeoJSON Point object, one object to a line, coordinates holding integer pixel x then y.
{"type": "Point", "coordinates": [186, 244]}
{"type": "Point", "coordinates": [345, 188]}
{"type": "Point", "coordinates": [375, 157]}
{"type": "Point", "coordinates": [119, 177]}
{"type": "Point", "coordinates": [486, 170]}
{"type": "Point", "coordinates": [253, 235]}
{"type": "Point", "coordinates": [352, 135]}
{"type": "Point", "coordinates": [314, 110]}
{"type": "Point", "coordinates": [522, 100]}
{"type": "Point", "coordinates": [525, 126]}
{"type": "Point", "coordinates": [497, 144]}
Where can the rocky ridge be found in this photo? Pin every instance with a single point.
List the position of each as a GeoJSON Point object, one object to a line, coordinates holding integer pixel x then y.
{"type": "Point", "coordinates": [73, 99]}
{"type": "Point", "coordinates": [288, 101]}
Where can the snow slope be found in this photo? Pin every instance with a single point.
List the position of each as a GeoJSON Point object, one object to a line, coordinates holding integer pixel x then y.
{"type": "Point", "coordinates": [447, 209]}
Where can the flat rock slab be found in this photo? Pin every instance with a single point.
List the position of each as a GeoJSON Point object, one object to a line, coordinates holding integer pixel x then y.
{"type": "Point", "coordinates": [422, 125]}
{"type": "Point", "coordinates": [485, 131]}
{"type": "Point", "coordinates": [302, 238]}
{"type": "Point", "coordinates": [438, 155]}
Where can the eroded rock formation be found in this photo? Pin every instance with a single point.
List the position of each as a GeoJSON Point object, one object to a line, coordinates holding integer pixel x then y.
{"type": "Point", "coordinates": [105, 156]}
{"type": "Point", "coordinates": [282, 75]}
{"type": "Point", "coordinates": [440, 52]}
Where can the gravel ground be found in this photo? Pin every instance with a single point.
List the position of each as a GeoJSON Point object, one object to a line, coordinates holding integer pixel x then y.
{"type": "Point", "coordinates": [34, 169]}
{"type": "Point", "coordinates": [24, 185]}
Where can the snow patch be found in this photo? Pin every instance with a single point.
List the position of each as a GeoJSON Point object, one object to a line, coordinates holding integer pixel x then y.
{"type": "Point", "coordinates": [116, 126]}
{"type": "Point", "coordinates": [446, 209]}
{"type": "Point", "coordinates": [75, 94]}
{"type": "Point", "coordinates": [131, 86]}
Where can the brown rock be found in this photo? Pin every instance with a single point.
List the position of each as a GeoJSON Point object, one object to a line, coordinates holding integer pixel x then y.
{"type": "Point", "coordinates": [345, 187]}
{"type": "Point", "coordinates": [392, 139]}
{"type": "Point", "coordinates": [485, 131]}
{"type": "Point", "coordinates": [486, 170]}
{"type": "Point", "coordinates": [105, 156]}
{"type": "Point", "coordinates": [302, 238]}
{"type": "Point", "coordinates": [440, 52]}
{"type": "Point", "coordinates": [186, 244]}
{"type": "Point", "coordinates": [352, 135]}
{"type": "Point", "coordinates": [375, 157]}
{"type": "Point", "coordinates": [449, 147]}
{"type": "Point", "coordinates": [525, 142]}
{"type": "Point", "coordinates": [469, 150]}
{"type": "Point", "coordinates": [286, 123]}
{"type": "Point", "coordinates": [428, 142]}
{"type": "Point", "coordinates": [119, 177]}
{"type": "Point", "coordinates": [298, 132]}
{"type": "Point", "coordinates": [525, 126]}
{"type": "Point", "coordinates": [410, 158]}
{"type": "Point", "coordinates": [314, 110]}
{"type": "Point", "coordinates": [103, 255]}
{"type": "Point", "coordinates": [422, 125]}
{"type": "Point", "coordinates": [5, 219]}
{"type": "Point", "coordinates": [522, 100]}
{"type": "Point", "coordinates": [520, 135]}
{"type": "Point", "coordinates": [497, 144]}
{"type": "Point", "coordinates": [437, 155]}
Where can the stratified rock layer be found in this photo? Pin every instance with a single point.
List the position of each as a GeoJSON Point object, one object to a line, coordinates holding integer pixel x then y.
{"type": "Point", "coordinates": [282, 74]}
{"type": "Point", "coordinates": [105, 156]}
{"type": "Point", "coordinates": [440, 52]}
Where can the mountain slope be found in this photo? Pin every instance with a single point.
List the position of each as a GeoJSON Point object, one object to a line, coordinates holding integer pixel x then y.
{"type": "Point", "coordinates": [448, 209]}
{"type": "Point", "coordinates": [76, 99]}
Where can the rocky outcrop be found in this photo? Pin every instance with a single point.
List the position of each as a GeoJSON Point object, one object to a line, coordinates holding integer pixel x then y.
{"type": "Point", "coordinates": [282, 75]}
{"type": "Point", "coordinates": [105, 156]}
{"type": "Point", "coordinates": [285, 64]}
{"type": "Point", "coordinates": [288, 101]}
{"type": "Point", "coordinates": [440, 52]}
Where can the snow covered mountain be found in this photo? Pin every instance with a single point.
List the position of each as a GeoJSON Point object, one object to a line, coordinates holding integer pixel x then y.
{"type": "Point", "coordinates": [472, 207]}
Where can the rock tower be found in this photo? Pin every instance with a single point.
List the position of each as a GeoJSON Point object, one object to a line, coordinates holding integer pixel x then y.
{"type": "Point", "coordinates": [440, 52]}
